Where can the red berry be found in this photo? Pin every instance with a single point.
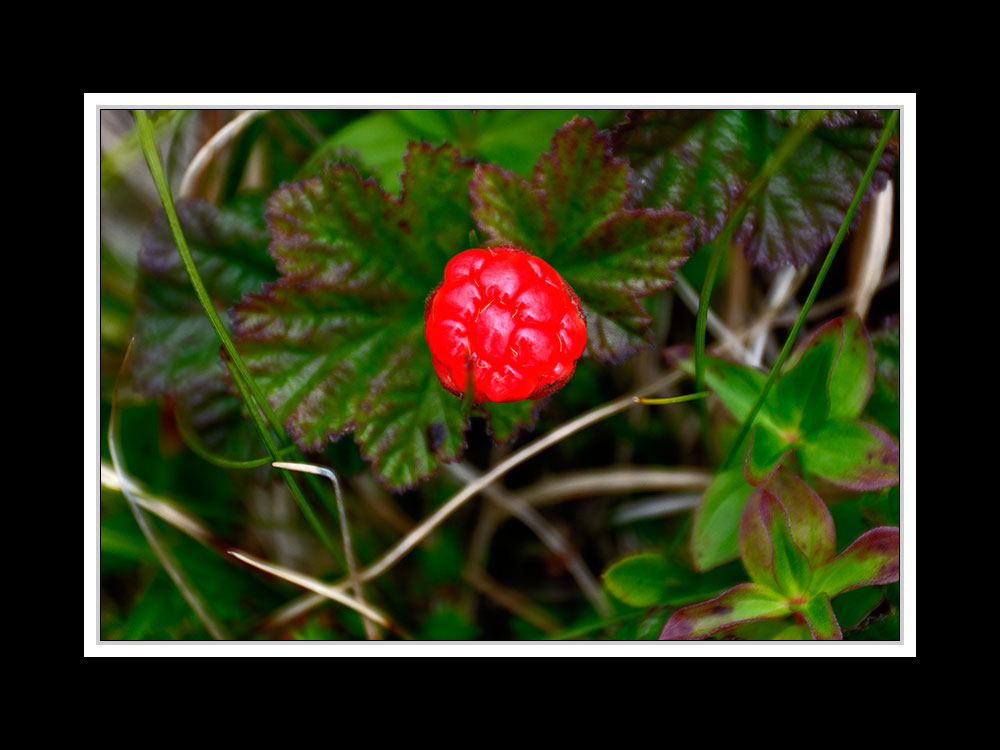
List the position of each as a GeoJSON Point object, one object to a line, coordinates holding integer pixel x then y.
{"type": "Point", "coordinates": [505, 320]}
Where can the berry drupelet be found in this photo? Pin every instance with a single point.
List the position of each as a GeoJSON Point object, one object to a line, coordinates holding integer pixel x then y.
{"type": "Point", "coordinates": [505, 322]}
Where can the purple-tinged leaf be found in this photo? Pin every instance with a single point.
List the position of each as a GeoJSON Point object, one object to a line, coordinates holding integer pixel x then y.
{"type": "Point", "coordinates": [808, 517]}
{"type": "Point", "coordinates": [744, 603]}
{"type": "Point", "coordinates": [715, 532]}
{"type": "Point", "coordinates": [176, 352]}
{"type": "Point", "coordinates": [574, 213]}
{"type": "Point", "coordinates": [854, 373]}
{"type": "Point", "coordinates": [323, 229]}
{"type": "Point", "coordinates": [506, 420]}
{"type": "Point", "coordinates": [702, 162]}
{"type": "Point", "coordinates": [822, 622]}
{"type": "Point", "coordinates": [834, 118]}
{"type": "Point", "coordinates": [582, 183]}
{"type": "Point", "coordinates": [852, 370]}
{"type": "Point", "coordinates": [770, 555]}
{"type": "Point", "coordinates": [871, 560]}
{"type": "Point", "coordinates": [337, 344]}
{"type": "Point", "coordinates": [852, 454]}
{"type": "Point", "coordinates": [694, 160]}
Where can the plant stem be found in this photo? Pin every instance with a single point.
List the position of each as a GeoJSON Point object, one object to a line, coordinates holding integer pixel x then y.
{"type": "Point", "coordinates": [272, 448]}
{"type": "Point", "coordinates": [159, 179]}
{"type": "Point", "coordinates": [255, 397]}
{"type": "Point", "coordinates": [194, 443]}
{"type": "Point", "coordinates": [841, 233]}
{"type": "Point", "coordinates": [778, 157]}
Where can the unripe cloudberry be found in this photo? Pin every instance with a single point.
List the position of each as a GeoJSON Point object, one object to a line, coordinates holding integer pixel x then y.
{"type": "Point", "coordinates": [506, 321]}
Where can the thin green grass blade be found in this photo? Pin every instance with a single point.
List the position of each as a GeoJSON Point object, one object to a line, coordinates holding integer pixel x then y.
{"type": "Point", "coordinates": [721, 244]}
{"type": "Point", "coordinates": [793, 334]}
{"type": "Point", "coordinates": [252, 395]}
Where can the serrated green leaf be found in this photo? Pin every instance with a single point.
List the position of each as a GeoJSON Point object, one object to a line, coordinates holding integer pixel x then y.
{"type": "Point", "coordinates": [574, 213]}
{"type": "Point", "coordinates": [506, 420]}
{"type": "Point", "coordinates": [852, 454]}
{"type": "Point", "coordinates": [871, 560]}
{"type": "Point", "coordinates": [740, 604]}
{"type": "Point", "coordinates": [715, 533]}
{"type": "Point", "coordinates": [833, 118]}
{"type": "Point", "coordinates": [176, 352]}
{"type": "Point", "coordinates": [337, 344]}
{"type": "Point", "coordinates": [510, 138]}
{"type": "Point", "coordinates": [702, 161]}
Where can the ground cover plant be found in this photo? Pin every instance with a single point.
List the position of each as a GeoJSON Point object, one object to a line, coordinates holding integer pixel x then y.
{"type": "Point", "coordinates": [500, 375]}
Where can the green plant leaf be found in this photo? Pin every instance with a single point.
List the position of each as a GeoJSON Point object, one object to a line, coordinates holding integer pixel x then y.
{"type": "Point", "coordinates": [822, 622]}
{"type": "Point", "coordinates": [771, 630]}
{"type": "Point", "coordinates": [715, 533]}
{"type": "Point", "coordinates": [743, 603]}
{"type": "Point", "coordinates": [852, 607]}
{"type": "Point", "coordinates": [337, 343]}
{"type": "Point", "coordinates": [847, 344]}
{"type": "Point", "coordinates": [702, 161]}
{"type": "Point", "coordinates": [573, 213]}
{"type": "Point", "coordinates": [871, 560]}
{"type": "Point", "coordinates": [769, 553]}
{"type": "Point", "coordinates": [640, 580]}
{"type": "Point", "coordinates": [176, 352]}
{"type": "Point", "coordinates": [800, 401]}
{"type": "Point", "coordinates": [852, 376]}
{"type": "Point", "coordinates": [881, 508]}
{"type": "Point", "coordinates": [834, 118]}
{"type": "Point", "coordinates": [851, 454]}
{"type": "Point", "coordinates": [511, 138]}
{"type": "Point", "coordinates": [736, 385]}
{"type": "Point", "coordinates": [767, 450]}
{"type": "Point", "coordinates": [809, 521]}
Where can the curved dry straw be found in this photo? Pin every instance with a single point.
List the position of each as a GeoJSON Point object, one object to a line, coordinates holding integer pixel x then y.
{"type": "Point", "coordinates": [213, 146]}
{"type": "Point", "coordinates": [345, 531]}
